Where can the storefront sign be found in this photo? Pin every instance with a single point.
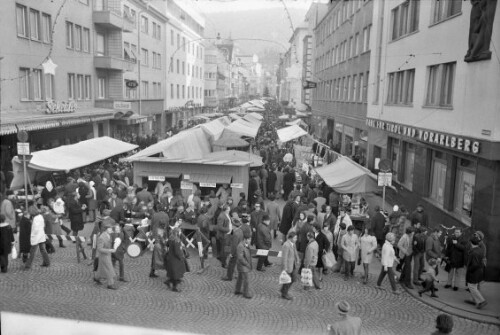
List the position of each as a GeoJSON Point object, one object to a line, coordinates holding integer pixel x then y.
{"type": "Point", "coordinates": [186, 185]}
{"type": "Point", "coordinates": [187, 177]}
{"type": "Point", "coordinates": [237, 185]}
{"type": "Point", "coordinates": [61, 107]}
{"type": "Point", "coordinates": [444, 140]}
{"type": "Point", "coordinates": [208, 185]}
{"type": "Point", "coordinates": [156, 178]}
{"type": "Point", "coordinates": [384, 179]}
{"type": "Point", "coordinates": [125, 105]}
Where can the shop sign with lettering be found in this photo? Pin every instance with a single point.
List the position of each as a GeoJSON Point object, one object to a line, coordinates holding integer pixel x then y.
{"type": "Point", "coordinates": [156, 178]}
{"type": "Point", "coordinates": [61, 107]}
{"type": "Point", "coordinates": [186, 185]}
{"type": "Point", "coordinates": [208, 184]}
{"type": "Point", "coordinates": [444, 140]}
{"type": "Point", "coordinates": [237, 185]}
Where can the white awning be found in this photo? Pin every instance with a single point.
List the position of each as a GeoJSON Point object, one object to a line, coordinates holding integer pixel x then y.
{"type": "Point", "coordinates": [290, 133]}
{"type": "Point", "coordinates": [244, 128]}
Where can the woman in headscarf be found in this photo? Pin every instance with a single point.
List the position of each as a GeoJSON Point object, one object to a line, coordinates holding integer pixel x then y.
{"type": "Point", "coordinates": [48, 192]}
{"type": "Point", "coordinates": [175, 260]}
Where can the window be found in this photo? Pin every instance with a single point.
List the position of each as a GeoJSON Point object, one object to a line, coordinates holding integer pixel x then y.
{"type": "Point", "coordinates": [440, 85]}
{"type": "Point", "coordinates": [88, 88]}
{"type": "Point", "coordinates": [156, 60]}
{"type": "Point", "coordinates": [144, 24]}
{"type": "Point", "coordinates": [145, 57]}
{"type": "Point", "coordinates": [350, 52]}
{"type": "Point", "coordinates": [79, 87]}
{"type": "Point", "coordinates": [22, 20]}
{"type": "Point", "coordinates": [183, 67]}
{"type": "Point", "coordinates": [360, 89]}
{"type": "Point", "coordinates": [178, 40]}
{"type": "Point", "coordinates": [366, 39]}
{"type": "Point", "coordinates": [100, 45]}
{"type": "Point", "coordinates": [405, 18]}
{"type": "Point", "coordinates": [86, 40]}
{"type": "Point", "coordinates": [69, 35]}
{"type": "Point", "coordinates": [464, 188]}
{"type": "Point", "coordinates": [171, 91]}
{"type": "Point", "coordinates": [78, 37]}
{"type": "Point", "coordinates": [356, 44]}
{"type": "Point", "coordinates": [24, 84]}
{"type": "Point", "coordinates": [365, 86]}
{"type": "Point", "coordinates": [400, 90]}
{"type": "Point", "coordinates": [178, 92]}
{"type": "Point", "coordinates": [156, 31]}
{"type": "Point", "coordinates": [46, 28]}
{"type": "Point", "coordinates": [345, 83]}
{"type": "Point", "coordinates": [34, 24]}
{"type": "Point", "coordinates": [171, 37]}
{"type": "Point", "coordinates": [49, 87]}
{"type": "Point", "coordinates": [438, 177]}
{"type": "Point", "coordinates": [178, 66]}
{"type": "Point", "coordinates": [409, 162]}
{"type": "Point", "coordinates": [348, 86]}
{"type": "Point", "coordinates": [37, 79]}
{"type": "Point", "coordinates": [354, 96]}
{"type": "Point", "coordinates": [145, 89]}
{"type": "Point", "coordinates": [395, 157]}
{"type": "Point", "coordinates": [183, 44]}
{"type": "Point", "coordinates": [71, 86]}
{"type": "Point", "coordinates": [445, 8]}
{"type": "Point", "coordinates": [101, 88]}
{"type": "Point", "coordinates": [183, 92]}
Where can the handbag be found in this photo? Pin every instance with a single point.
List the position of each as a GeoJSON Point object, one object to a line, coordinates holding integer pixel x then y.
{"type": "Point", "coordinates": [285, 278]}
{"type": "Point", "coordinates": [329, 259]}
{"type": "Point", "coordinates": [306, 277]}
{"type": "Point", "coordinates": [359, 257]}
{"type": "Point", "coordinates": [14, 252]}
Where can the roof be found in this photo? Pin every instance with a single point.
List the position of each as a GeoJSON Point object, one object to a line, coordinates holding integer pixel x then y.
{"type": "Point", "coordinates": [245, 128]}
{"type": "Point", "coordinates": [290, 133]}
{"type": "Point", "coordinates": [203, 161]}
{"type": "Point", "coordinates": [236, 156]}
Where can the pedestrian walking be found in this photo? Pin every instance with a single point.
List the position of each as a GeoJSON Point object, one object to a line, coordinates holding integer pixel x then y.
{"type": "Point", "coordinates": [311, 259]}
{"type": "Point", "coordinates": [323, 248]}
{"type": "Point", "coordinates": [175, 261]}
{"type": "Point", "coordinates": [119, 243]}
{"type": "Point", "coordinates": [350, 247]}
{"type": "Point", "coordinates": [405, 246]}
{"type": "Point", "coordinates": [6, 243]}
{"type": "Point", "coordinates": [291, 263]}
{"type": "Point", "coordinates": [368, 245]}
{"type": "Point", "coordinates": [263, 241]}
{"type": "Point", "coordinates": [348, 325]}
{"type": "Point", "coordinates": [273, 210]}
{"type": "Point", "coordinates": [475, 271]}
{"type": "Point", "coordinates": [105, 248]}
{"type": "Point", "coordinates": [387, 262]}
{"type": "Point", "coordinates": [224, 228]}
{"type": "Point", "coordinates": [24, 236]}
{"type": "Point", "coordinates": [244, 266]}
{"type": "Point", "coordinates": [37, 238]}
{"type": "Point", "coordinates": [455, 255]}
{"type": "Point", "coordinates": [418, 253]}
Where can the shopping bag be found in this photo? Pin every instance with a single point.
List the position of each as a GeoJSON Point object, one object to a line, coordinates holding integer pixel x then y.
{"type": "Point", "coordinates": [285, 278]}
{"type": "Point", "coordinates": [306, 277]}
{"type": "Point", "coordinates": [329, 260]}
{"type": "Point", "coordinates": [14, 252]}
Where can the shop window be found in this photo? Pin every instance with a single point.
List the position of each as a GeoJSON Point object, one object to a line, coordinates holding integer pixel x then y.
{"type": "Point", "coordinates": [409, 163]}
{"type": "Point", "coordinates": [395, 157]}
{"type": "Point", "coordinates": [464, 188]}
{"type": "Point", "coordinates": [438, 177]}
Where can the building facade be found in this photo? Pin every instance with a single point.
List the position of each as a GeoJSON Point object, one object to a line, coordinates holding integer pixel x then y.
{"type": "Point", "coordinates": [433, 112]}
{"type": "Point", "coordinates": [341, 69]}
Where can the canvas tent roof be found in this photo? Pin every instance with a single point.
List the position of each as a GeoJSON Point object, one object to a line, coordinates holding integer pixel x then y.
{"type": "Point", "coordinates": [236, 155]}
{"type": "Point", "coordinates": [298, 122]}
{"type": "Point", "coordinates": [346, 176]}
{"type": "Point", "coordinates": [230, 139]}
{"type": "Point", "coordinates": [215, 128]}
{"type": "Point", "coordinates": [191, 143]}
{"type": "Point", "coordinates": [244, 128]}
{"type": "Point", "coordinates": [290, 133]}
{"type": "Point", "coordinates": [256, 116]}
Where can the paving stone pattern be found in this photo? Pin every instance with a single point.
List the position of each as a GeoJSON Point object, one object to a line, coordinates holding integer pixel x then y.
{"type": "Point", "coordinates": [207, 305]}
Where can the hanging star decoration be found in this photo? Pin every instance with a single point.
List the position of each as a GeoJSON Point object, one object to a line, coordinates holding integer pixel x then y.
{"type": "Point", "coordinates": [49, 67]}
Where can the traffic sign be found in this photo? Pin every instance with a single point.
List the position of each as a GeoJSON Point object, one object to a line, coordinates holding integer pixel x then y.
{"type": "Point", "coordinates": [308, 84]}
{"type": "Point", "coordinates": [23, 148]}
{"type": "Point", "coordinates": [385, 165]}
{"type": "Point", "coordinates": [22, 136]}
{"type": "Point", "coordinates": [384, 179]}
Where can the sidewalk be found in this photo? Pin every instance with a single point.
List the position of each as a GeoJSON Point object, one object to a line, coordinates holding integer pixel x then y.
{"type": "Point", "coordinates": [448, 301]}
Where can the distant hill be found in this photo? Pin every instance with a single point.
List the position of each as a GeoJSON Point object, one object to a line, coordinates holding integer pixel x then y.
{"type": "Point", "coordinates": [270, 24]}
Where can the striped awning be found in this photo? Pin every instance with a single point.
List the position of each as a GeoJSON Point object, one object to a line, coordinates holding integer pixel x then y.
{"type": "Point", "coordinates": [71, 122]}
{"type": "Point", "coordinates": [6, 129]}
{"type": "Point", "coordinates": [37, 125]}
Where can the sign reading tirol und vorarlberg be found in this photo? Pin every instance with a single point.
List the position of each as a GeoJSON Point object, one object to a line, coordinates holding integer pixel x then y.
{"type": "Point", "coordinates": [459, 143]}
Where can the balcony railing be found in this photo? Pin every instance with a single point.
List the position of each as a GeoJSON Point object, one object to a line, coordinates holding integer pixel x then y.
{"type": "Point", "coordinates": [112, 19]}
{"type": "Point", "coordinates": [113, 63]}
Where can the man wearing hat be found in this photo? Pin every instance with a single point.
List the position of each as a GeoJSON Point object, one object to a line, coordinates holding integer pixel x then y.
{"type": "Point", "coordinates": [105, 248]}
{"type": "Point", "coordinates": [476, 255]}
{"type": "Point", "coordinates": [263, 241]}
{"type": "Point", "coordinates": [239, 230]}
{"type": "Point", "coordinates": [244, 263]}
{"type": "Point", "coordinates": [348, 325]}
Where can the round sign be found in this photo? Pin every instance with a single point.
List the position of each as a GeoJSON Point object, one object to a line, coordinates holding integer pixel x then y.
{"type": "Point", "coordinates": [132, 84]}
{"type": "Point", "coordinates": [385, 165]}
{"type": "Point", "coordinates": [22, 136]}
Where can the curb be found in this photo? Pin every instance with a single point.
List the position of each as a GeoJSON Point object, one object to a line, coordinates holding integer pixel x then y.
{"type": "Point", "coordinates": [444, 307]}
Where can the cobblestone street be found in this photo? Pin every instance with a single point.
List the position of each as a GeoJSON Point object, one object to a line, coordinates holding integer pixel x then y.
{"type": "Point", "coordinates": [207, 304]}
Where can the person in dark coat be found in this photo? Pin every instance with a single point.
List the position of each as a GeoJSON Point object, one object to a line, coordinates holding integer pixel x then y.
{"type": "Point", "coordinates": [255, 220]}
{"type": "Point", "coordinates": [288, 180]}
{"type": "Point", "coordinates": [419, 215]}
{"type": "Point", "coordinates": [48, 192]}
{"type": "Point", "coordinates": [75, 210]}
{"type": "Point", "coordinates": [455, 253]}
{"type": "Point", "coordinates": [253, 186]}
{"type": "Point", "coordinates": [119, 254]}
{"type": "Point", "coordinates": [323, 247]}
{"type": "Point", "coordinates": [244, 265]}
{"type": "Point", "coordinates": [175, 260]}
{"type": "Point", "coordinates": [475, 271]}
{"type": "Point", "coordinates": [224, 228]}
{"type": "Point", "coordinates": [263, 241]}
{"type": "Point", "coordinates": [24, 236]}
{"type": "Point", "coordinates": [302, 240]}
{"type": "Point", "coordinates": [6, 243]}
{"type": "Point", "coordinates": [289, 212]}
{"type": "Point", "coordinates": [271, 182]}
{"type": "Point", "coordinates": [378, 224]}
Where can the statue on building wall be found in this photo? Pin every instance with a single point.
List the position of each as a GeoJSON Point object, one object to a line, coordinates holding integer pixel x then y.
{"type": "Point", "coordinates": [480, 29]}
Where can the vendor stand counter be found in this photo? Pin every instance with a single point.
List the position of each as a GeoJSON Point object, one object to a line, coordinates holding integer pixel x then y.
{"type": "Point", "coordinates": [359, 221]}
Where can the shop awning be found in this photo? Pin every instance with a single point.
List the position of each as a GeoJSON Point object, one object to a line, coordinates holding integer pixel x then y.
{"type": "Point", "coordinates": [290, 133]}
{"type": "Point", "coordinates": [346, 176]}
{"type": "Point", "coordinates": [191, 143]}
{"type": "Point", "coordinates": [209, 178]}
{"type": "Point", "coordinates": [130, 119]}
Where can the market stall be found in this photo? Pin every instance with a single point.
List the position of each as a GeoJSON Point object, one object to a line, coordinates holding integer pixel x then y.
{"type": "Point", "coordinates": [290, 133]}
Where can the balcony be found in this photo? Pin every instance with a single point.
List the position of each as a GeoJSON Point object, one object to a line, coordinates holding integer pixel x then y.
{"type": "Point", "coordinates": [110, 19]}
{"type": "Point", "coordinates": [113, 63]}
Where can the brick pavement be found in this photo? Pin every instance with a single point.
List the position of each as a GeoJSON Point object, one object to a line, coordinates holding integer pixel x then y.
{"type": "Point", "coordinates": [207, 305]}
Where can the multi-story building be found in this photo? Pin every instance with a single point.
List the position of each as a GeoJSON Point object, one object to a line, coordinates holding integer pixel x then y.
{"type": "Point", "coordinates": [130, 50]}
{"type": "Point", "coordinates": [185, 61]}
{"type": "Point", "coordinates": [211, 92]}
{"type": "Point", "coordinates": [55, 107]}
{"type": "Point", "coordinates": [433, 111]}
{"type": "Point", "coordinates": [292, 89]}
{"type": "Point", "coordinates": [341, 68]}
